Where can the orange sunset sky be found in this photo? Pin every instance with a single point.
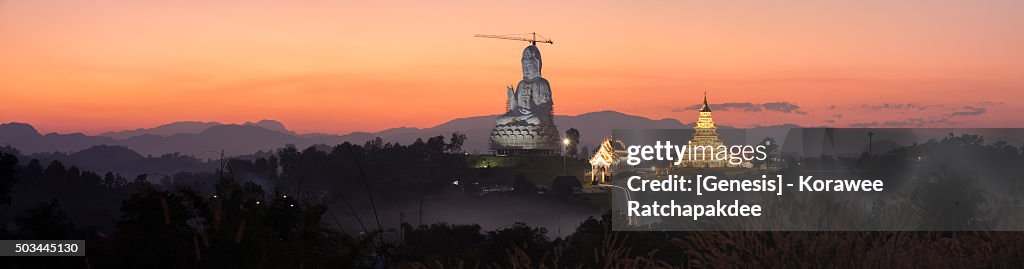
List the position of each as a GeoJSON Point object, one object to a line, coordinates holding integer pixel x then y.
{"type": "Point", "coordinates": [341, 66]}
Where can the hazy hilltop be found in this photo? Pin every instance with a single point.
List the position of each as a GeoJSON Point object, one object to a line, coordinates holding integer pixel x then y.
{"type": "Point", "coordinates": [28, 140]}
{"type": "Point", "coordinates": [198, 138]}
{"type": "Point", "coordinates": [148, 150]}
{"type": "Point", "coordinates": [593, 127]}
{"type": "Point", "coordinates": [181, 127]}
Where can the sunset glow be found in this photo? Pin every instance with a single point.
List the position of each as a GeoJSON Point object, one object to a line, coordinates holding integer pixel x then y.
{"type": "Point", "coordinates": [344, 66]}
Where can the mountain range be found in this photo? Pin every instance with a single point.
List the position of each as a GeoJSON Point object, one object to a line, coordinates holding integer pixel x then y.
{"type": "Point", "coordinates": [198, 138]}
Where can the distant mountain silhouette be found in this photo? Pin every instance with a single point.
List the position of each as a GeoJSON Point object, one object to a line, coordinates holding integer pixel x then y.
{"type": "Point", "coordinates": [272, 125]}
{"type": "Point", "coordinates": [26, 139]}
{"type": "Point", "coordinates": [232, 139]}
{"type": "Point", "coordinates": [17, 133]}
{"type": "Point", "coordinates": [181, 127]}
{"type": "Point", "coordinates": [593, 127]}
{"type": "Point", "coordinates": [100, 157]}
{"type": "Point", "coordinates": [191, 127]}
{"type": "Point", "coordinates": [198, 138]}
{"type": "Point", "coordinates": [127, 162]}
{"type": "Point", "coordinates": [596, 126]}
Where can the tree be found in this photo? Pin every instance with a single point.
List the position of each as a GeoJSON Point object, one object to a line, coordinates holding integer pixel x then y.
{"type": "Point", "coordinates": [54, 173]}
{"type": "Point", "coordinates": [237, 226]}
{"type": "Point", "coordinates": [109, 180]}
{"type": "Point", "coordinates": [441, 241]}
{"type": "Point", "coordinates": [73, 177]}
{"type": "Point", "coordinates": [436, 144]}
{"type": "Point", "coordinates": [46, 221]}
{"type": "Point", "coordinates": [532, 240]}
{"type": "Point", "coordinates": [573, 136]}
{"type": "Point", "coordinates": [7, 176]}
{"type": "Point", "coordinates": [32, 174]}
{"type": "Point", "coordinates": [457, 140]}
{"type": "Point", "coordinates": [948, 199]}
{"type": "Point", "coordinates": [375, 144]}
{"type": "Point", "coordinates": [90, 179]}
{"type": "Point", "coordinates": [771, 151]}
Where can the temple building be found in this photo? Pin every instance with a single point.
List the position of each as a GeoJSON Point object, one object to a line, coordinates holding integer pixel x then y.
{"type": "Point", "coordinates": [527, 127]}
{"type": "Point", "coordinates": [605, 161]}
{"type": "Point", "coordinates": [705, 134]}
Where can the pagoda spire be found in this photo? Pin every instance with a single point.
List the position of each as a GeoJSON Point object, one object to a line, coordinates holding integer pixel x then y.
{"type": "Point", "coordinates": [705, 107]}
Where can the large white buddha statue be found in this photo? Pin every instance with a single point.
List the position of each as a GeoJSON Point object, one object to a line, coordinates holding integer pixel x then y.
{"type": "Point", "coordinates": [530, 103]}
{"type": "Point", "coordinates": [527, 126]}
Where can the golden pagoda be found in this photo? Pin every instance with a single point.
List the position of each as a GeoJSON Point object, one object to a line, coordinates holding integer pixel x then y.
{"type": "Point", "coordinates": [705, 135]}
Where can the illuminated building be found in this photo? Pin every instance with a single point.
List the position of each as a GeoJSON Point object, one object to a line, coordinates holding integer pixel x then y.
{"type": "Point", "coordinates": [604, 161]}
{"type": "Point", "coordinates": [705, 138]}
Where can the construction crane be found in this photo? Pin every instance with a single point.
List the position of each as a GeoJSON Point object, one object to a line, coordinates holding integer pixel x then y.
{"type": "Point", "coordinates": [528, 37]}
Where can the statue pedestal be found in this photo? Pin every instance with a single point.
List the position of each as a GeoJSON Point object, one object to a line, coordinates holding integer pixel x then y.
{"type": "Point", "coordinates": [525, 140]}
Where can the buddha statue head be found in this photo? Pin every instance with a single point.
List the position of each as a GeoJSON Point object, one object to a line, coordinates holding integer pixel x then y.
{"type": "Point", "coordinates": [531, 63]}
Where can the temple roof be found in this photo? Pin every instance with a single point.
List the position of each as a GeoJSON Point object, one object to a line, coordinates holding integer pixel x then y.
{"type": "Point", "coordinates": [705, 107]}
{"type": "Point", "coordinates": [605, 154]}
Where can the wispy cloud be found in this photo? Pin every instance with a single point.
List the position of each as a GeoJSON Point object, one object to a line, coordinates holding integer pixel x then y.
{"type": "Point", "coordinates": [969, 111]}
{"type": "Point", "coordinates": [899, 106]}
{"type": "Point", "coordinates": [911, 122]}
{"type": "Point", "coordinates": [783, 107]}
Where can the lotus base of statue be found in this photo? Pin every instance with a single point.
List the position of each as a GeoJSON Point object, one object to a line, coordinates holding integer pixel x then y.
{"type": "Point", "coordinates": [525, 140]}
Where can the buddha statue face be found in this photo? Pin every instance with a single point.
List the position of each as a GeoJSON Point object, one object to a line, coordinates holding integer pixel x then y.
{"type": "Point", "coordinates": [531, 63]}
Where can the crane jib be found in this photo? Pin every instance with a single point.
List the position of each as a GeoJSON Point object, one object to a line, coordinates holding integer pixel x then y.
{"type": "Point", "coordinates": [533, 38]}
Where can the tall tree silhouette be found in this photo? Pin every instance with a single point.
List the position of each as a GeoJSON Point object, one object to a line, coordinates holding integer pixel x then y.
{"type": "Point", "coordinates": [573, 136]}
{"type": "Point", "coordinates": [7, 176]}
{"type": "Point", "coordinates": [457, 140]}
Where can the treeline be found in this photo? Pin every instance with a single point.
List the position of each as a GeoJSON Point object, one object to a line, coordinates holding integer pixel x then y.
{"type": "Point", "coordinates": [274, 212]}
{"type": "Point", "coordinates": [220, 220]}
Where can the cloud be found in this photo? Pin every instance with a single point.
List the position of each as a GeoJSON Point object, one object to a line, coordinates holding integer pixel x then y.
{"type": "Point", "coordinates": [969, 111]}
{"type": "Point", "coordinates": [837, 115]}
{"type": "Point", "coordinates": [911, 122]}
{"type": "Point", "coordinates": [899, 106]}
{"type": "Point", "coordinates": [783, 107]}
{"type": "Point", "coordinates": [750, 107]}
{"type": "Point", "coordinates": [864, 124]}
